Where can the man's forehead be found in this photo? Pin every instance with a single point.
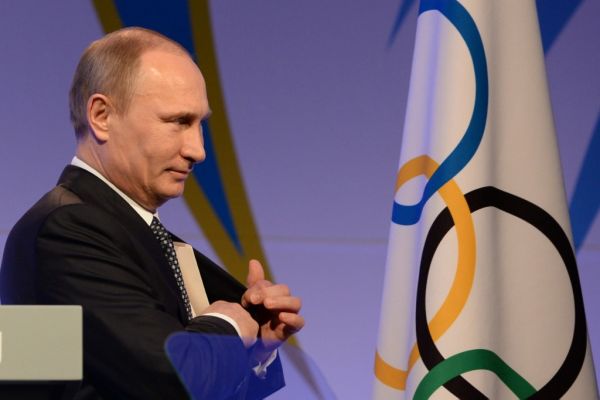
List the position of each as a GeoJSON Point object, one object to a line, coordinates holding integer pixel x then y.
{"type": "Point", "coordinates": [171, 85]}
{"type": "Point", "coordinates": [169, 67]}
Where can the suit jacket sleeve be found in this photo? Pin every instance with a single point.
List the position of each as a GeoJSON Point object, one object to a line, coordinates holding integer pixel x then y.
{"type": "Point", "coordinates": [85, 257]}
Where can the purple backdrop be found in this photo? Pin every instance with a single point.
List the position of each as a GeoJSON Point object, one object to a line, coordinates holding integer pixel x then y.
{"type": "Point", "coordinates": [316, 100]}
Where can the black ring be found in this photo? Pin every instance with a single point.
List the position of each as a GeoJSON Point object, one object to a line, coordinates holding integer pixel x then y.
{"type": "Point", "coordinates": [490, 196]}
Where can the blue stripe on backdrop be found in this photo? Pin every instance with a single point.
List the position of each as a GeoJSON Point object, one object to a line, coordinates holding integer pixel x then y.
{"type": "Point", "coordinates": [586, 196]}
{"type": "Point", "coordinates": [405, 8]}
{"type": "Point", "coordinates": [553, 16]}
{"type": "Point", "coordinates": [209, 179]}
{"type": "Point", "coordinates": [171, 18]}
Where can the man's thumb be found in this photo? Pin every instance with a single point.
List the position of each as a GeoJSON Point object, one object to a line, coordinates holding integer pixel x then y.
{"type": "Point", "coordinates": [255, 272]}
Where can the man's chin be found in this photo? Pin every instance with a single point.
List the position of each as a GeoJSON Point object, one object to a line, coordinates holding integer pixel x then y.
{"type": "Point", "coordinates": [172, 192]}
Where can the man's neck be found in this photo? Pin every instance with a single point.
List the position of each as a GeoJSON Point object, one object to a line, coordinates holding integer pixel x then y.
{"type": "Point", "coordinates": [143, 213]}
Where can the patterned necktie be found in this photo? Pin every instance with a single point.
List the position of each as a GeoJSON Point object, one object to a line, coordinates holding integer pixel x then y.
{"type": "Point", "coordinates": [166, 243]}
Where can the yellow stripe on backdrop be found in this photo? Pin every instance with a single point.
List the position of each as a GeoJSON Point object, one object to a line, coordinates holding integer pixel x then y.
{"type": "Point", "coordinates": [108, 15]}
{"type": "Point", "coordinates": [231, 178]}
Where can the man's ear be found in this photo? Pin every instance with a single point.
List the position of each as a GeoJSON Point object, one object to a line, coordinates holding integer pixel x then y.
{"type": "Point", "coordinates": [99, 110]}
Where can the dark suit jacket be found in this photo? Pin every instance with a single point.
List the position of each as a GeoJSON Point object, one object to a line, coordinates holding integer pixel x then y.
{"type": "Point", "coordinates": [83, 244]}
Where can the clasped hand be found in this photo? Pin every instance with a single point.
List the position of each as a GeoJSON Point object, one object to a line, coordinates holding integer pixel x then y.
{"type": "Point", "coordinates": [273, 307]}
{"type": "Point", "coordinates": [267, 311]}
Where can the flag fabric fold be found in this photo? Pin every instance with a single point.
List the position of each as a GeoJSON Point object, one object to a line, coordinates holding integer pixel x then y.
{"type": "Point", "coordinates": [482, 296]}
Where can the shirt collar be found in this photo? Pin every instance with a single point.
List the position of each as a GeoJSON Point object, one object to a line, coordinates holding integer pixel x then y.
{"type": "Point", "coordinates": [145, 214]}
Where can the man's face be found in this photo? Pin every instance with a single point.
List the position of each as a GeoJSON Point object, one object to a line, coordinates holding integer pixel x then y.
{"type": "Point", "coordinates": [153, 146]}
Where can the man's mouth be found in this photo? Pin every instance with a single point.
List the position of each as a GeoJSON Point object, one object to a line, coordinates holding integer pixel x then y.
{"type": "Point", "coordinates": [179, 173]}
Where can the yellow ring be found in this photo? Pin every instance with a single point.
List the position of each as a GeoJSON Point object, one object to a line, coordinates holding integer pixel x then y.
{"type": "Point", "coordinates": [465, 269]}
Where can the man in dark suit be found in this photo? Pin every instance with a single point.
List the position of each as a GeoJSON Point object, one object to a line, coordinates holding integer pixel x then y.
{"type": "Point", "coordinates": [137, 102]}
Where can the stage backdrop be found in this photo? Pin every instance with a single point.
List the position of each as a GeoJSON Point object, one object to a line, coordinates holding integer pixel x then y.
{"type": "Point", "coordinates": [315, 94]}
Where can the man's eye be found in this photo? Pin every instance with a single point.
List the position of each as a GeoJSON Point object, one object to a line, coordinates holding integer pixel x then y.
{"type": "Point", "coordinates": [182, 121]}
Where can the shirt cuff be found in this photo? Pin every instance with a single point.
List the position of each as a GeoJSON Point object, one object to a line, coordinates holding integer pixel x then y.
{"type": "Point", "coordinates": [261, 369]}
{"type": "Point", "coordinates": [228, 319]}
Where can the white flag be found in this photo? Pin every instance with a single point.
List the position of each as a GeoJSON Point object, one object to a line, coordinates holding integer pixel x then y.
{"type": "Point", "coordinates": [482, 296]}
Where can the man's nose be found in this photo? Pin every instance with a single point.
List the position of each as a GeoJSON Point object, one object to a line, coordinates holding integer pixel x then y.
{"type": "Point", "coordinates": [193, 146]}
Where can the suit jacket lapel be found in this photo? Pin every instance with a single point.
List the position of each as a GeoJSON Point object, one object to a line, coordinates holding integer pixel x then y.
{"type": "Point", "coordinates": [92, 190]}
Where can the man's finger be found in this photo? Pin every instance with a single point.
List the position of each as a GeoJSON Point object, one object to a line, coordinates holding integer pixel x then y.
{"type": "Point", "coordinates": [292, 322]}
{"type": "Point", "coordinates": [270, 290]}
{"type": "Point", "coordinates": [255, 273]}
{"type": "Point", "coordinates": [256, 294]}
{"type": "Point", "coordinates": [283, 303]}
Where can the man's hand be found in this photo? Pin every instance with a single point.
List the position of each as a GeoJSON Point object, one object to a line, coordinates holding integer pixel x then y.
{"type": "Point", "coordinates": [248, 326]}
{"type": "Point", "coordinates": [279, 319]}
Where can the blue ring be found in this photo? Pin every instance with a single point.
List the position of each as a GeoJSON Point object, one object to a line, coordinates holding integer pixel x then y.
{"type": "Point", "coordinates": [466, 148]}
